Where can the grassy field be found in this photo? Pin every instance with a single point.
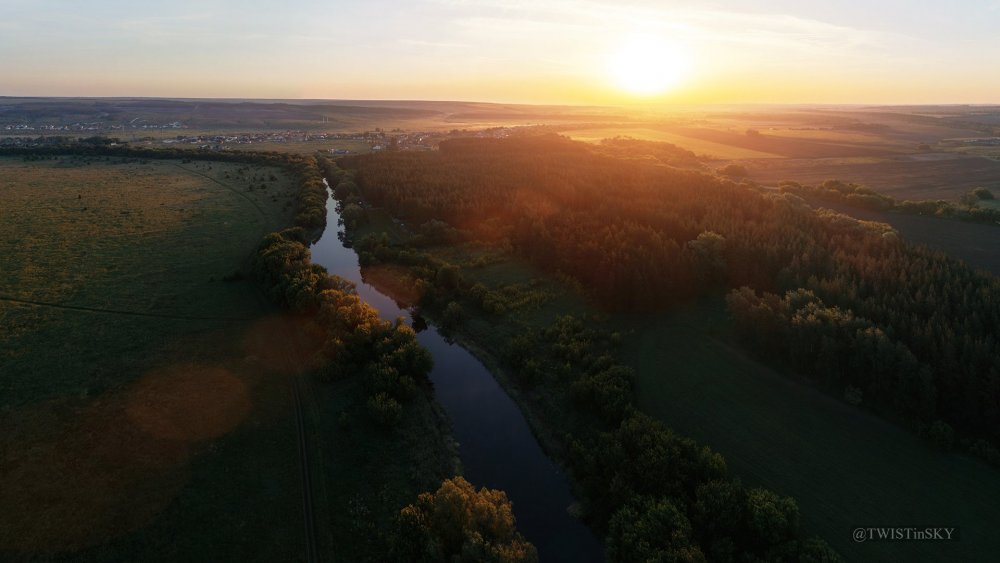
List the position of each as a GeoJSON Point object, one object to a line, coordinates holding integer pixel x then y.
{"type": "Point", "coordinates": [143, 417]}
{"type": "Point", "coordinates": [785, 146]}
{"type": "Point", "coordinates": [846, 468]}
{"type": "Point", "coordinates": [943, 176]}
{"type": "Point", "coordinates": [734, 144]}
{"type": "Point", "coordinates": [144, 247]}
{"type": "Point", "coordinates": [145, 388]}
{"type": "Point", "coordinates": [699, 146]}
{"type": "Point", "coordinates": [783, 134]}
{"type": "Point", "coordinates": [985, 152]}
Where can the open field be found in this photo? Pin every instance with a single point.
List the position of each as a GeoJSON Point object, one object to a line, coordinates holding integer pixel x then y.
{"type": "Point", "coordinates": [194, 461]}
{"type": "Point", "coordinates": [802, 133]}
{"type": "Point", "coordinates": [138, 405]}
{"type": "Point", "coordinates": [785, 146]}
{"type": "Point", "coordinates": [846, 468]}
{"type": "Point", "coordinates": [154, 240]}
{"type": "Point", "coordinates": [698, 146]}
{"type": "Point", "coordinates": [144, 396]}
{"type": "Point", "coordinates": [146, 386]}
{"type": "Point", "coordinates": [985, 152]}
{"type": "Point", "coordinates": [921, 177]}
{"type": "Point", "coordinates": [729, 144]}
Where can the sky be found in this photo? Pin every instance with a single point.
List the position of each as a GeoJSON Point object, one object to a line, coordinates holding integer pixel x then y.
{"type": "Point", "coordinates": [512, 51]}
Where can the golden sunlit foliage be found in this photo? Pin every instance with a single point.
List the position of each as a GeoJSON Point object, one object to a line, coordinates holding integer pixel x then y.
{"type": "Point", "coordinates": [459, 523]}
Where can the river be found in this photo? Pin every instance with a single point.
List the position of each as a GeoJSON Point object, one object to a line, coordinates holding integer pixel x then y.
{"type": "Point", "coordinates": [496, 445]}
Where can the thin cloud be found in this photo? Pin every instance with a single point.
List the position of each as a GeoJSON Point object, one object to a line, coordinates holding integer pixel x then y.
{"type": "Point", "coordinates": [777, 30]}
{"type": "Point", "coordinates": [433, 44]}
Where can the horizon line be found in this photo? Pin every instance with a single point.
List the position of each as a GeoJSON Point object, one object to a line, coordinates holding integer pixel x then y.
{"type": "Point", "coordinates": [636, 103]}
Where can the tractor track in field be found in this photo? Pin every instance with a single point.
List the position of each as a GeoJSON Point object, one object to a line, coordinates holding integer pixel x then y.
{"type": "Point", "coordinates": [299, 384]}
{"type": "Point", "coordinates": [250, 200]}
{"type": "Point", "coordinates": [34, 303]}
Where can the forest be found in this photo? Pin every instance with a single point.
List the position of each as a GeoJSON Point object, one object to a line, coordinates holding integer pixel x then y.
{"type": "Point", "coordinates": [643, 236]}
{"type": "Point", "coordinates": [694, 510]}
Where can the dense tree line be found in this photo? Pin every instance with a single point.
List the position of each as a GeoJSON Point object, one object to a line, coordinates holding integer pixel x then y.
{"type": "Point", "coordinates": [638, 149]}
{"type": "Point", "coordinates": [638, 236]}
{"type": "Point", "coordinates": [966, 209]}
{"type": "Point", "coordinates": [54, 146]}
{"type": "Point", "coordinates": [837, 349]}
{"type": "Point", "coordinates": [620, 227]}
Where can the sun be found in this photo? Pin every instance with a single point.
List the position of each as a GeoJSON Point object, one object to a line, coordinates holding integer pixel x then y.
{"type": "Point", "coordinates": [645, 65]}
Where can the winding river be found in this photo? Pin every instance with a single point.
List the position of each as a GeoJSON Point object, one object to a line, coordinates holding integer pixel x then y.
{"type": "Point", "coordinates": [496, 445]}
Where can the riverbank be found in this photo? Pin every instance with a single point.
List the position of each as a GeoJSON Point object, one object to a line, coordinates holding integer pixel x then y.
{"type": "Point", "coordinates": [541, 428]}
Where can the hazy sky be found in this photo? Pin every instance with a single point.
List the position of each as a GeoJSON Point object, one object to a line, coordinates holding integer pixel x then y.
{"type": "Point", "coordinates": [845, 51]}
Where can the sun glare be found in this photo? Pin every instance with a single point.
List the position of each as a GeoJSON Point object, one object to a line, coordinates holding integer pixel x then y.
{"type": "Point", "coordinates": [646, 65]}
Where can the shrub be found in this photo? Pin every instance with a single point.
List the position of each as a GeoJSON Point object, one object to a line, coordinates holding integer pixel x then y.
{"type": "Point", "coordinates": [982, 193]}
{"type": "Point", "coordinates": [385, 410]}
{"type": "Point", "coordinates": [459, 523]}
{"type": "Point", "coordinates": [734, 171]}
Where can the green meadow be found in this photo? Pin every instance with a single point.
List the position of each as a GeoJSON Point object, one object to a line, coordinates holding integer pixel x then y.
{"type": "Point", "coordinates": [146, 409]}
